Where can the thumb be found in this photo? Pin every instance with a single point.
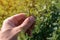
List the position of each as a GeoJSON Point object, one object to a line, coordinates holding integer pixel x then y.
{"type": "Point", "coordinates": [25, 25]}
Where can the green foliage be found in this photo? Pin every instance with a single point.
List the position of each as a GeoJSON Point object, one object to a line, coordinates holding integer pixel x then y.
{"type": "Point", "coordinates": [46, 12]}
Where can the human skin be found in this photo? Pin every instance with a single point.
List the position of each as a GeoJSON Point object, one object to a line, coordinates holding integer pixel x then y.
{"type": "Point", "coordinates": [15, 24]}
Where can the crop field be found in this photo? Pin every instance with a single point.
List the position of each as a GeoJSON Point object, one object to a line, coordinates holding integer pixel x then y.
{"type": "Point", "coordinates": [46, 12]}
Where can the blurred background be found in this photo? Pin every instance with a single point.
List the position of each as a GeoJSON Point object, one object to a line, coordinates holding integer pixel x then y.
{"type": "Point", "coordinates": [46, 12]}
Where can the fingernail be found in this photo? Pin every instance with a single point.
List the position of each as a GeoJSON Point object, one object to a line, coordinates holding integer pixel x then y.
{"type": "Point", "coordinates": [32, 18]}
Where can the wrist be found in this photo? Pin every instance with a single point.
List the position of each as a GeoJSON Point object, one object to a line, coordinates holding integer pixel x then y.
{"type": "Point", "coordinates": [2, 37]}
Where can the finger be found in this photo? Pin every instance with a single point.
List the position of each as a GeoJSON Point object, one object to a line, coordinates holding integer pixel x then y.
{"type": "Point", "coordinates": [29, 30]}
{"type": "Point", "coordinates": [18, 19]}
{"type": "Point", "coordinates": [15, 20]}
{"type": "Point", "coordinates": [25, 25]}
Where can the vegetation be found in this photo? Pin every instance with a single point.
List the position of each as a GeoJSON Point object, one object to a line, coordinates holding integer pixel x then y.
{"type": "Point", "coordinates": [46, 12]}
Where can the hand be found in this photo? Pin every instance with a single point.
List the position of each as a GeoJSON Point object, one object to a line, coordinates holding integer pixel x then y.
{"type": "Point", "coordinates": [15, 24]}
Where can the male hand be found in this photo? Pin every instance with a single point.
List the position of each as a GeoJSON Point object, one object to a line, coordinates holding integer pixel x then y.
{"type": "Point", "coordinates": [15, 24]}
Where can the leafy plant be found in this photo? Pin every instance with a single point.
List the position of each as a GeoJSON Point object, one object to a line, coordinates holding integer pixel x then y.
{"type": "Point", "coordinates": [46, 12]}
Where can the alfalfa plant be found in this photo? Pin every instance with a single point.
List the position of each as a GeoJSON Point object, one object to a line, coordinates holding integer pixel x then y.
{"type": "Point", "coordinates": [47, 16]}
{"type": "Point", "coordinates": [46, 12]}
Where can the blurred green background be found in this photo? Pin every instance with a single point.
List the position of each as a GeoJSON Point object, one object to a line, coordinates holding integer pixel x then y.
{"type": "Point", "coordinates": [46, 12]}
